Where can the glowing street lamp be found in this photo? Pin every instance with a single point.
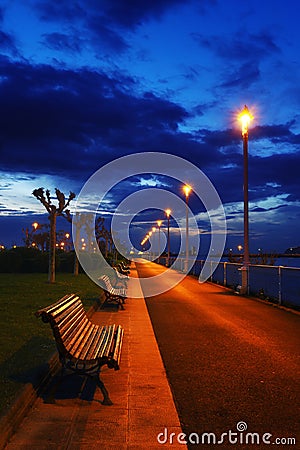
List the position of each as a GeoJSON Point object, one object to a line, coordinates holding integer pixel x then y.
{"type": "Point", "coordinates": [245, 118]}
{"type": "Point", "coordinates": [168, 212]}
{"type": "Point", "coordinates": [186, 189]}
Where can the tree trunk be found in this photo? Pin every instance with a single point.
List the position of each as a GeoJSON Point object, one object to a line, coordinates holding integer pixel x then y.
{"type": "Point", "coordinates": [106, 247]}
{"type": "Point", "coordinates": [76, 265]}
{"type": "Point", "coordinates": [51, 271]}
{"type": "Point", "coordinates": [76, 248]}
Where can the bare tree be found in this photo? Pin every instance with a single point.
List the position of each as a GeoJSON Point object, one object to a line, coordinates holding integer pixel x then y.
{"type": "Point", "coordinates": [103, 233]}
{"type": "Point", "coordinates": [78, 222]}
{"type": "Point", "coordinates": [54, 211]}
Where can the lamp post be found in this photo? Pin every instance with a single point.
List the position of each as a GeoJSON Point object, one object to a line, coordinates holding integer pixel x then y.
{"type": "Point", "coordinates": [153, 231]}
{"type": "Point", "coordinates": [67, 236]}
{"type": "Point", "coordinates": [159, 222]}
{"type": "Point", "coordinates": [186, 189]}
{"type": "Point", "coordinates": [168, 212]}
{"type": "Point", "coordinates": [245, 118]}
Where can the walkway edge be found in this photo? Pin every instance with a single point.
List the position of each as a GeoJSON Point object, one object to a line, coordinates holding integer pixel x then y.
{"type": "Point", "coordinates": [22, 404]}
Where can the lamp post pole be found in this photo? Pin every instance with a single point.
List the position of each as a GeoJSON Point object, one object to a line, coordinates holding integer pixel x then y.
{"type": "Point", "coordinates": [187, 190]}
{"type": "Point", "coordinates": [153, 231]}
{"type": "Point", "coordinates": [168, 212]}
{"type": "Point", "coordinates": [246, 200]}
{"type": "Point", "coordinates": [150, 249]}
{"type": "Point", "coordinates": [245, 118]}
{"type": "Point", "coordinates": [159, 222]}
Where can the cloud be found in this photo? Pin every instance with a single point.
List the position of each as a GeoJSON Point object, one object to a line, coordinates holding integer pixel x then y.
{"type": "Point", "coordinates": [8, 44]}
{"type": "Point", "coordinates": [241, 46]}
{"type": "Point", "coordinates": [279, 132]}
{"type": "Point", "coordinates": [242, 77]}
{"type": "Point", "coordinates": [64, 10]}
{"type": "Point", "coordinates": [60, 121]}
{"type": "Point", "coordinates": [103, 37]}
{"type": "Point", "coordinates": [259, 209]}
{"type": "Point", "coordinates": [131, 14]}
{"type": "Point", "coordinates": [103, 23]}
{"type": "Point", "coordinates": [63, 42]}
{"type": "Point", "coordinates": [240, 55]}
{"type": "Point", "coordinates": [81, 117]}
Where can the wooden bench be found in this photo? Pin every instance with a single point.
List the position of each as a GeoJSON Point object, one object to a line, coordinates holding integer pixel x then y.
{"type": "Point", "coordinates": [122, 270]}
{"type": "Point", "coordinates": [125, 270]}
{"type": "Point", "coordinates": [113, 294]}
{"type": "Point", "coordinates": [83, 347]}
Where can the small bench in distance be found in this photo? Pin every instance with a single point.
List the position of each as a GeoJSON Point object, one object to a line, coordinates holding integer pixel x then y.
{"type": "Point", "coordinates": [120, 279]}
{"type": "Point", "coordinates": [113, 294]}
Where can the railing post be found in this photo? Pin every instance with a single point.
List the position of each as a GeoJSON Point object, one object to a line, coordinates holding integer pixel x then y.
{"type": "Point", "coordinates": [249, 279]}
{"type": "Point", "coordinates": [225, 274]}
{"type": "Point", "coordinates": [279, 285]}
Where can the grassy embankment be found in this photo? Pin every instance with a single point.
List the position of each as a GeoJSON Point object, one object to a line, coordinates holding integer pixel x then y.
{"type": "Point", "coordinates": [26, 342]}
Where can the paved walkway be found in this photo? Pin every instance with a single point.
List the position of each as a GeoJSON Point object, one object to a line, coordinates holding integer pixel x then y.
{"type": "Point", "coordinates": [232, 362]}
{"type": "Point", "coordinates": [143, 404]}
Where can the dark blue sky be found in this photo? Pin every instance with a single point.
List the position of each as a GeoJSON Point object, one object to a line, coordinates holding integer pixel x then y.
{"type": "Point", "coordinates": [83, 82]}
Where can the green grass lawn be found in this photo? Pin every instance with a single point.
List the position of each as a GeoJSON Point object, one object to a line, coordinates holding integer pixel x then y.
{"type": "Point", "coordinates": [26, 342]}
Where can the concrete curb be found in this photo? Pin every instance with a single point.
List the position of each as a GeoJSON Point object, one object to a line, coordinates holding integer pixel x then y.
{"type": "Point", "coordinates": [19, 409]}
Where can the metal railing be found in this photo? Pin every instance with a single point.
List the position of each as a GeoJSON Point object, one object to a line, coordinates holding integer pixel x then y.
{"type": "Point", "coordinates": [277, 284]}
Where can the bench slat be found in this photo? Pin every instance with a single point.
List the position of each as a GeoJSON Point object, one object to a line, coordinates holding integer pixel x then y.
{"type": "Point", "coordinates": [110, 337]}
{"type": "Point", "coordinates": [86, 335]}
{"type": "Point", "coordinates": [67, 329]}
{"type": "Point", "coordinates": [102, 343]}
{"type": "Point", "coordinates": [116, 355]}
{"type": "Point", "coordinates": [72, 341]}
{"type": "Point", "coordinates": [94, 349]}
{"type": "Point", "coordinates": [87, 348]}
{"type": "Point", "coordinates": [60, 315]}
{"type": "Point", "coordinates": [68, 304]}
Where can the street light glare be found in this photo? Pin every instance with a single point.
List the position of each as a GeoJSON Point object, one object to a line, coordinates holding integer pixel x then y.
{"type": "Point", "coordinates": [168, 212]}
{"type": "Point", "coordinates": [245, 118]}
{"type": "Point", "coordinates": [187, 189]}
{"type": "Point", "coordinates": [159, 222]}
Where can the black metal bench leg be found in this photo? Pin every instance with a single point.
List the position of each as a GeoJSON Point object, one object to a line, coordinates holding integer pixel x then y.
{"type": "Point", "coordinates": [106, 400]}
{"type": "Point", "coordinates": [121, 303]}
{"type": "Point", "coordinates": [110, 298]}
